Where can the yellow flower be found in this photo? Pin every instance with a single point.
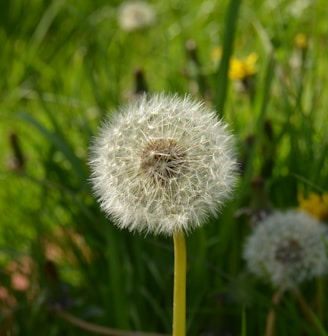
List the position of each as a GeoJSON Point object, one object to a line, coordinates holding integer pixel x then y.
{"type": "Point", "coordinates": [301, 41]}
{"type": "Point", "coordinates": [316, 205]}
{"type": "Point", "coordinates": [240, 69]}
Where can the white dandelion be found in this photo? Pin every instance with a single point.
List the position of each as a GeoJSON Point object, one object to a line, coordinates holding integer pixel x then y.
{"type": "Point", "coordinates": [287, 249]}
{"type": "Point", "coordinates": [134, 15]}
{"type": "Point", "coordinates": [162, 165]}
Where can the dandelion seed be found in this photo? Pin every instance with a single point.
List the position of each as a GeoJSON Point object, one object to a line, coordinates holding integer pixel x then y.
{"type": "Point", "coordinates": [287, 249]}
{"type": "Point", "coordinates": [162, 165]}
{"type": "Point", "coordinates": [134, 15]}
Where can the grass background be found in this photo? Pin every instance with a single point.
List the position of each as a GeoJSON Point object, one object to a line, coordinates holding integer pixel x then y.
{"type": "Point", "coordinates": [65, 65]}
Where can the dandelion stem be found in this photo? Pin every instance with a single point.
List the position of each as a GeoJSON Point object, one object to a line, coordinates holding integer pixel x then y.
{"type": "Point", "coordinates": [179, 292]}
{"type": "Point", "coordinates": [271, 318]}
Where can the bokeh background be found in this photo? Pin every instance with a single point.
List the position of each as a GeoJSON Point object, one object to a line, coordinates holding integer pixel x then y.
{"type": "Point", "coordinates": [65, 65]}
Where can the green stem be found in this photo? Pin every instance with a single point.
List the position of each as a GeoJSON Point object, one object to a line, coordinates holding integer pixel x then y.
{"type": "Point", "coordinates": [179, 292]}
{"type": "Point", "coordinates": [228, 40]}
{"type": "Point", "coordinates": [271, 318]}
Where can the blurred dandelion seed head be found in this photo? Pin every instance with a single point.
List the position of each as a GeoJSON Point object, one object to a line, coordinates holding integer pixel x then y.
{"type": "Point", "coordinates": [135, 15]}
{"type": "Point", "coordinates": [163, 164]}
{"type": "Point", "coordinates": [287, 249]}
{"type": "Point", "coordinates": [288, 252]}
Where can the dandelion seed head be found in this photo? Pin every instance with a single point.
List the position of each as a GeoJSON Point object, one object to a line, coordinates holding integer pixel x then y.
{"type": "Point", "coordinates": [163, 164]}
{"type": "Point", "coordinates": [163, 161]}
{"type": "Point", "coordinates": [135, 15]}
{"type": "Point", "coordinates": [287, 249]}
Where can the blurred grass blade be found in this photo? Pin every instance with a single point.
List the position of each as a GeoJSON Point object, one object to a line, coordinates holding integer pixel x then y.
{"type": "Point", "coordinates": [118, 295]}
{"type": "Point", "coordinates": [157, 308]}
{"type": "Point", "coordinates": [228, 40]}
{"type": "Point", "coordinates": [243, 323]}
{"type": "Point", "coordinates": [261, 107]}
{"type": "Point", "coordinates": [320, 328]}
{"type": "Point", "coordinates": [60, 143]}
{"type": "Point", "coordinates": [45, 23]}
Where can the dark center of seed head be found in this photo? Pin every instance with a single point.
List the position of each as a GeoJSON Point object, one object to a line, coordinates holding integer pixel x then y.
{"type": "Point", "coordinates": [163, 160]}
{"type": "Point", "coordinates": [289, 252]}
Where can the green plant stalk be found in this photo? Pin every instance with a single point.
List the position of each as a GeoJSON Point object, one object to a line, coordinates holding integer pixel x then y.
{"type": "Point", "coordinates": [179, 291]}
{"type": "Point", "coordinates": [271, 318]}
{"type": "Point", "coordinates": [261, 108]}
{"type": "Point", "coordinates": [243, 323]}
{"type": "Point", "coordinates": [228, 40]}
{"type": "Point", "coordinates": [117, 285]}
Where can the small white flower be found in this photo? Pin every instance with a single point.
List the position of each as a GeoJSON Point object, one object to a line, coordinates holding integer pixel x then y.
{"type": "Point", "coordinates": [135, 15]}
{"type": "Point", "coordinates": [162, 164]}
{"type": "Point", "coordinates": [287, 249]}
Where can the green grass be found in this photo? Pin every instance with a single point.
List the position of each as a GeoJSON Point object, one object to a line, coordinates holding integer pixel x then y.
{"type": "Point", "coordinates": [64, 66]}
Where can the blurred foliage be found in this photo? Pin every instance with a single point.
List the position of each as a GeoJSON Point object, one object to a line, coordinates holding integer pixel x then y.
{"type": "Point", "coordinates": [64, 65]}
